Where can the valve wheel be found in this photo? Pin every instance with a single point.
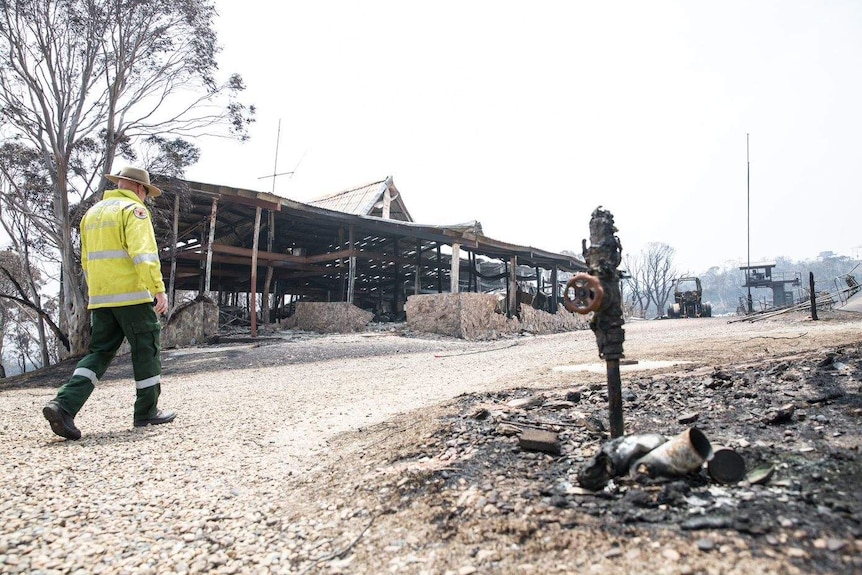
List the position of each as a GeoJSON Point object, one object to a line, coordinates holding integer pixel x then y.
{"type": "Point", "coordinates": [588, 294]}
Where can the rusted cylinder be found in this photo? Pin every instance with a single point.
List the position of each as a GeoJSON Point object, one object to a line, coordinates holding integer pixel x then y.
{"type": "Point", "coordinates": [682, 454]}
{"type": "Point", "coordinates": [726, 465]}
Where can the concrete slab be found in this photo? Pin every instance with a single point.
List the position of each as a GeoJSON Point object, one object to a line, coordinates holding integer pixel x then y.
{"type": "Point", "coordinates": [641, 365]}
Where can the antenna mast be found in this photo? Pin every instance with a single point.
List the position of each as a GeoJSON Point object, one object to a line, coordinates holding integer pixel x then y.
{"type": "Point", "coordinates": [275, 165]}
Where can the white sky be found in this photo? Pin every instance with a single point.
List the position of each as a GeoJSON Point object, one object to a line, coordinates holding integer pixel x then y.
{"type": "Point", "coordinates": [527, 115]}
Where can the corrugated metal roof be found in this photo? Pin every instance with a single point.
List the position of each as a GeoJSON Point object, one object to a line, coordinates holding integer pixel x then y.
{"type": "Point", "coordinates": [366, 201]}
{"type": "Point", "coordinates": [359, 201]}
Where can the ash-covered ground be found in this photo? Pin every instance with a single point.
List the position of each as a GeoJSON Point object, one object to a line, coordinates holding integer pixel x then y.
{"type": "Point", "coordinates": [394, 452]}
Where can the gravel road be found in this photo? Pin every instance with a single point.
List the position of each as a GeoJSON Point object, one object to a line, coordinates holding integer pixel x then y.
{"type": "Point", "coordinates": [256, 420]}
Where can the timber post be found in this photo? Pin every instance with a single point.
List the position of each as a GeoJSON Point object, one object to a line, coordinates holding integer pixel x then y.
{"type": "Point", "coordinates": [209, 261]}
{"type": "Point", "coordinates": [172, 296]}
{"type": "Point", "coordinates": [351, 273]}
{"type": "Point", "coordinates": [253, 298]}
{"type": "Point", "coordinates": [813, 296]}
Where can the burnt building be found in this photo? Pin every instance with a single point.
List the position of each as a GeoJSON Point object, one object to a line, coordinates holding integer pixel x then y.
{"type": "Point", "coordinates": [359, 245]}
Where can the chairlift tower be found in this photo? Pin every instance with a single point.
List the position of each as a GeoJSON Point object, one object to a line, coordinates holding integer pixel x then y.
{"type": "Point", "coordinates": [760, 275]}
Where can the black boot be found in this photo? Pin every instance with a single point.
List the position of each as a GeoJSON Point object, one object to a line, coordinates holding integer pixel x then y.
{"type": "Point", "coordinates": [159, 418]}
{"type": "Point", "coordinates": [61, 422]}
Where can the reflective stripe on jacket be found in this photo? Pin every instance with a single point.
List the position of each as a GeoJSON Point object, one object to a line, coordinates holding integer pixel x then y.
{"type": "Point", "coordinates": [119, 253]}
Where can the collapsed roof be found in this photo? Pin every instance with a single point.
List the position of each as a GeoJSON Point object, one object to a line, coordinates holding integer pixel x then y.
{"type": "Point", "coordinates": [212, 236]}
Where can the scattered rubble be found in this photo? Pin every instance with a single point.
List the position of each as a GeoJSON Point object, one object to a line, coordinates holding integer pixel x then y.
{"type": "Point", "coordinates": [509, 464]}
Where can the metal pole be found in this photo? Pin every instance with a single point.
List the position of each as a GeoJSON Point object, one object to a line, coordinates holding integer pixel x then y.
{"type": "Point", "coordinates": [748, 224]}
{"type": "Point", "coordinates": [615, 398]}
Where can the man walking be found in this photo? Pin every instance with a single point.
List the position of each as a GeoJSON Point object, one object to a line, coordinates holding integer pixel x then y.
{"type": "Point", "coordinates": [120, 259]}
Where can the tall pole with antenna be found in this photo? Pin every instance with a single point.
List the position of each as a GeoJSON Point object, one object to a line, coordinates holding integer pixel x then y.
{"type": "Point", "coordinates": [275, 165]}
{"type": "Point", "coordinates": [275, 173]}
{"type": "Point", "coordinates": [748, 224]}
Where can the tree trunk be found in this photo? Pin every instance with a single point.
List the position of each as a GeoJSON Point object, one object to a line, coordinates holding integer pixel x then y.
{"type": "Point", "coordinates": [3, 332]}
{"type": "Point", "coordinates": [75, 305]}
{"type": "Point", "coordinates": [43, 340]}
{"type": "Point", "coordinates": [37, 301]}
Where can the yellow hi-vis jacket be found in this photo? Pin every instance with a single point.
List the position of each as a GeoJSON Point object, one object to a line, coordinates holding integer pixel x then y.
{"type": "Point", "coordinates": [119, 253]}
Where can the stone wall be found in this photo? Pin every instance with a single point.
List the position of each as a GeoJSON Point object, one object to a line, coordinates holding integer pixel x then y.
{"type": "Point", "coordinates": [464, 315]}
{"type": "Point", "coordinates": [192, 323]}
{"type": "Point", "coordinates": [332, 317]}
{"type": "Point", "coordinates": [538, 321]}
{"type": "Point", "coordinates": [474, 316]}
{"type": "Point", "coordinates": [468, 315]}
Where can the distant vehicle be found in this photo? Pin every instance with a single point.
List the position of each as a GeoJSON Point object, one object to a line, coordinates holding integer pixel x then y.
{"type": "Point", "coordinates": [688, 296]}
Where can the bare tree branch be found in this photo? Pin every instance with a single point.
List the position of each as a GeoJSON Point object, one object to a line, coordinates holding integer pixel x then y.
{"type": "Point", "coordinates": [23, 299]}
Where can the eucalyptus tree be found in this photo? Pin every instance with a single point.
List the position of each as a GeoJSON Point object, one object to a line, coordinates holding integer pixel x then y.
{"type": "Point", "coordinates": [652, 274]}
{"type": "Point", "coordinates": [723, 286]}
{"type": "Point", "coordinates": [83, 81]}
{"type": "Point", "coordinates": [25, 216]}
{"type": "Point", "coordinates": [20, 314]}
{"type": "Point", "coordinates": [660, 273]}
{"type": "Point", "coordinates": [636, 298]}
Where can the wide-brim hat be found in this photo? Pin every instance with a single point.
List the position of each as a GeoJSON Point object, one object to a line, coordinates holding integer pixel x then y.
{"type": "Point", "coordinates": [136, 175]}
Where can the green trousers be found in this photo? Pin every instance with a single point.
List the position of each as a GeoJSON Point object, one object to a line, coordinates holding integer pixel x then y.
{"type": "Point", "coordinates": [110, 325]}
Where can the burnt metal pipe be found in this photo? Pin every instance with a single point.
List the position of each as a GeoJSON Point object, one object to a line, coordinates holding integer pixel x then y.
{"type": "Point", "coordinates": [599, 292]}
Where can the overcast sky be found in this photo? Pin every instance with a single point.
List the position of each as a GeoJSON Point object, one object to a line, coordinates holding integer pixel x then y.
{"type": "Point", "coordinates": [528, 115]}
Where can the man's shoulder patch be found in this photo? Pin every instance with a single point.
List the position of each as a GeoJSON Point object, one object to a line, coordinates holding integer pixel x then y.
{"type": "Point", "coordinates": [141, 213]}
